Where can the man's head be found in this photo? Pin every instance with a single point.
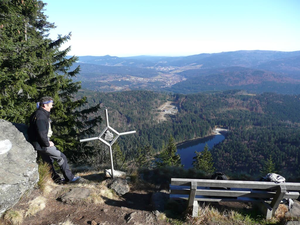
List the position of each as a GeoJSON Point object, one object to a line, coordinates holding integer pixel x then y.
{"type": "Point", "coordinates": [46, 103]}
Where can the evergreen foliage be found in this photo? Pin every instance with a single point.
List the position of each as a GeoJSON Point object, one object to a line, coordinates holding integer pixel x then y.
{"type": "Point", "coordinates": [204, 161]}
{"type": "Point", "coordinates": [260, 125]}
{"type": "Point", "coordinates": [32, 66]}
{"type": "Point", "coordinates": [269, 167]}
{"type": "Point", "coordinates": [144, 156]}
{"type": "Point", "coordinates": [93, 154]}
{"type": "Point", "coordinates": [118, 157]}
{"type": "Point", "coordinates": [169, 156]}
{"type": "Point", "coordinates": [22, 57]}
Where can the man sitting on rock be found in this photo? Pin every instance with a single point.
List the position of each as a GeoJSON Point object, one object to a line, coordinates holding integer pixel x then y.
{"type": "Point", "coordinates": [39, 133]}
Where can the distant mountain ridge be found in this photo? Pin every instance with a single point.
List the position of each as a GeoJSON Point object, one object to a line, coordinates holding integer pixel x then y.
{"type": "Point", "coordinates": [216, 71]}
{"type": "Point", "coordinates": [238, 58]}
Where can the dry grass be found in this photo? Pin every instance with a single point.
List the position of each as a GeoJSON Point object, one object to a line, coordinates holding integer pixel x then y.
{"type": "Point", "coordinates": [44, 176]}
{"type": "Point", "coordinates": [211, 215]}
{"type": "Point", "coordinates": [14, 217]}
{"type": "Point", "coordinates": [48, 187]}
{"type": "Point", "coordinates": [95, 199]}
{"type": "Point", "coordinates": [68, 222]}
{"type": "Point", "coordinates": [98, 192]}
{"type": "Point", "coordinates": [281, 211]}
{"type": "Point", "coordinates": [208, 215]}
{"type": "Point", "coordinates": [36, 205]}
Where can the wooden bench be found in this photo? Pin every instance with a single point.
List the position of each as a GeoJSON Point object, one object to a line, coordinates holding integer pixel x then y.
{"type": "Point", "coordinates": [268, 194]}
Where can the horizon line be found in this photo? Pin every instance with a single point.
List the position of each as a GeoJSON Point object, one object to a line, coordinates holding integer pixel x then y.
{"type": "Point", "coordinates": [151, 55]}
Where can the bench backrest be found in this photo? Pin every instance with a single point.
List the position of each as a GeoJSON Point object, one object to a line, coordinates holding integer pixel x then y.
{"type": "Point", "coordinates": [262, 185]}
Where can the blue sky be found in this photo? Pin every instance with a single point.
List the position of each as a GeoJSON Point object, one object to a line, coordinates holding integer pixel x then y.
{"type": "Point", "coordinates": [175, 27]}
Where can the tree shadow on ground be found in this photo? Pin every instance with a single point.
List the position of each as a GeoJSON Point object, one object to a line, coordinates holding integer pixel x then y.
{"type": "Point", "coordinates": [135, 199]}
{"type": "Point", "coordinates": [94, 177]}
{"type": "Point", "coordinates": [138, 201]}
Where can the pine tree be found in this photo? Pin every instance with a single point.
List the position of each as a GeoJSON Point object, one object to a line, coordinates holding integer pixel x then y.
{"type": "Point", "coordinates": [33, 66]}
{"type": "Point", "coordinates": [19, 63]}
{"type": "Point", "coordinates": [204, 161]}
{"type": "Point", "coordinates": [118, 156]}
{"type": "Point", "coordinates": [143, 157]}
{"type": "Point", "coordinates": [169, 156]}
{"type": "Point", "coordinates": [71, 119]}
{"type": "Point", "coordinates": [268, 167]}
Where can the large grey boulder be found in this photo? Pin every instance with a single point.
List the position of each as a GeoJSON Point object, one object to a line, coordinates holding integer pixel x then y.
{"type": "Point", "coordinates": [18, 167]}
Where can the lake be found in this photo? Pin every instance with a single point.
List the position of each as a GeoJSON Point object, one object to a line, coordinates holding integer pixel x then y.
{"type": "Point", "coordinates": [187, 149]}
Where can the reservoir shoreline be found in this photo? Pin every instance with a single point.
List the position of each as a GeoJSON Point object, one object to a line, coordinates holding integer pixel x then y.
{"type": "Point", "coordinates": [186, 150]}
{"type": "Point", "coordinates": [216, 131]}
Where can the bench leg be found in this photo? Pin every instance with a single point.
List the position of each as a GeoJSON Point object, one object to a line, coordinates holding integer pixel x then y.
{"type": "Point", "coordinates": [192, 194]}
{"type": "Point", "coordinates": [191, 202]}
{"type": "Point", "coordinates": [266, 209]}
{"type": "Point", "coordinates": [195, 209]}
{"type": "Point", "coordinates": [277, 199]}
{"type": "Point", "coordinates": [270, 209]}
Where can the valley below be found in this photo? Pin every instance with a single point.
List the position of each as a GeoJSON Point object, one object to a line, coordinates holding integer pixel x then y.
{"type": "Point", "coordinates": [254, 71]}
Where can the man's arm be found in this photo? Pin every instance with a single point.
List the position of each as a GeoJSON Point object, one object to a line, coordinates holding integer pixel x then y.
{"type": "Point", "coordinates": [42, 132]}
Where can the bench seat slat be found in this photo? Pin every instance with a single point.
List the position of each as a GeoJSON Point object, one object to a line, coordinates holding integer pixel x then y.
{"type": "Point", "coordinates": [229, 193]}
{"type": "Point", "coordinates": [210, 199]}
{"type": "Point", "coordinates": [228, 199]}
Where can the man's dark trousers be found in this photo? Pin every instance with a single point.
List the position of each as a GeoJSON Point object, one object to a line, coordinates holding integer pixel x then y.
{"type": "Point", "coordinates": [52, 153]}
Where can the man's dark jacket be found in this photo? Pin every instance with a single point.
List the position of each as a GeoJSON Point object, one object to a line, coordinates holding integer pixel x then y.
{"type": "Point", "coordinates": [38, 129]}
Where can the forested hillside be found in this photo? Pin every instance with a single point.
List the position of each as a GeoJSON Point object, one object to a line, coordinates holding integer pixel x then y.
{"type": "Point", "coordinates": [252, 80]}
{"type": "Point", "coordinates": [254, 71]}
{"type": "Point", "coordinates": [261, 126]}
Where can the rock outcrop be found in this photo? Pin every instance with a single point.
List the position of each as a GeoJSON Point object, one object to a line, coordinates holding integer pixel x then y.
{"type": "Point", "coordinates": [120, 186]}
{"type": "Point", "coordinates": [75, 195]}
{"type": "Point", "coordinates": [18, 167]}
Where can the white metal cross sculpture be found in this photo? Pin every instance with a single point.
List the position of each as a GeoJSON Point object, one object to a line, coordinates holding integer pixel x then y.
{"type": "Point", "coordinates": [107, 137]}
